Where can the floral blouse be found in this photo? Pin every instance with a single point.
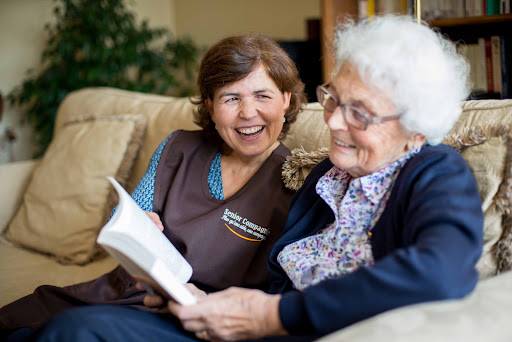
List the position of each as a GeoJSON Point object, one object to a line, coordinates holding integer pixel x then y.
{"type": "Point", "coordinates": [344, 245]}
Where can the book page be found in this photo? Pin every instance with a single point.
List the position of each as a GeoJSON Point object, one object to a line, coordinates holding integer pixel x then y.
{"type": "Point", "coordinates": [135, 241]}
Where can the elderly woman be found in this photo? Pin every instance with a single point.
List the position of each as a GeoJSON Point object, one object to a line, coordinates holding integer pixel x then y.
{"type": "Point", "coordinates": [392, 218]}
{"type": "Point", "coordinates": [250, 94]}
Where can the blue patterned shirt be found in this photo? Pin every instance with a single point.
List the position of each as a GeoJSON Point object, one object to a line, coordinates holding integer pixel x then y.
{"type": "Point", "coordinates": [144, 191]}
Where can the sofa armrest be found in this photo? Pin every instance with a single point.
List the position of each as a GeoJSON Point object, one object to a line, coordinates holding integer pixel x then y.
{"type": "Point", "coordinates": [14, 178]}
{"type": "Point", "coordinates": [484, 315]}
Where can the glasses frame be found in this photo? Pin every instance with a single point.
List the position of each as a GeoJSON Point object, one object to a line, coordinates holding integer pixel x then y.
{"type": "Point", "coordinates": [368, 119]}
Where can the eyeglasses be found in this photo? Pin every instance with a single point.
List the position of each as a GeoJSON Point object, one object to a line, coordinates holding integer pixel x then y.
{"type": "Point", "coordinates": [354, 116]}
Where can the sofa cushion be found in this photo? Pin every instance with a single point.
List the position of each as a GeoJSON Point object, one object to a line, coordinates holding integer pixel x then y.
{"type": "Point", "coordinates": [487, 148]}
{"type": "Point", "coordinates": [163, 114]}
{"type": "Point", "coordinates": [23, 270]}
{"type": "Point", "coordinates": [68, 198]}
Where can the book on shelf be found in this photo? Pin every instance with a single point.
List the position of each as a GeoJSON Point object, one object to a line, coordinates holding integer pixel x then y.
{"type": "Point", "coordinates": [506, 65]}
{"type": "Point", "coordinates": [480, 70]}
{"type": "Point", "coordinates": [496, 64]}
{"type": "Point", "coordinates": [481, 67]}
{"type": "Point", "coordinates": [492, 7]}
{"type": "Point", "coordinates": [132, 238]}
{"type": "Point", "coordinates": [488, 65]}
{"type": "Point", "coordinates": [368, 8]}
{"type": "Point", "coordinates": [505, 6]}
{"type": "Point", "coordinates": [431, 10]}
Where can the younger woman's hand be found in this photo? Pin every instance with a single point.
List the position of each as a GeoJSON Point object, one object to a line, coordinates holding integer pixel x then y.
{"type": "Point", "coordinates": [156, 219]}
{"type": "Point", "coordinates": [153, 300]}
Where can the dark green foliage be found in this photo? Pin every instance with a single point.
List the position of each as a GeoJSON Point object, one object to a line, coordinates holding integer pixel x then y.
{"type": "Point", "coordinates": [99, 43]}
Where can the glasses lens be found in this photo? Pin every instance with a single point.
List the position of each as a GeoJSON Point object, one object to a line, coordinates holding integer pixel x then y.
{"type": "Point", "coordinates": [326, 99]}
{"type": "Point", "coordinates": [354, 117]}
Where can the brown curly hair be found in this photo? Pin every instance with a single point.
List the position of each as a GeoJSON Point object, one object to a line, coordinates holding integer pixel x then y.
{"type": "Point", "coordinates": [232, 59]}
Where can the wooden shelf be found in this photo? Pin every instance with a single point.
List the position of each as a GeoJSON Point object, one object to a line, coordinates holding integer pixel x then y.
{"type": "Point", "coordinates": [471, 21]}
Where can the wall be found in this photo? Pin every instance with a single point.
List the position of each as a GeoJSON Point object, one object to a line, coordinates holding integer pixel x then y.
{"type": "Point", "coordinates": [22, 35]}
{"type": "Point", "coordinates": [21, 42]}
{"type": "Point", "coordinates": [207, 21]}
{"type": "Point", "coordinates": [22, 38]}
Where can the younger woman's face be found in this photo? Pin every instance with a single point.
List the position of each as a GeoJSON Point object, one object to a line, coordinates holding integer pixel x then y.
{"type": "Point", "coordinates": [248, 114]}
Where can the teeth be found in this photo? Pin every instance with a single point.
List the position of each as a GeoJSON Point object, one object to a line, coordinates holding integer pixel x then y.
{"type": "Point", "coordinates": [250, 130]}
{"type": "Point", "coordinates": [337, 142]}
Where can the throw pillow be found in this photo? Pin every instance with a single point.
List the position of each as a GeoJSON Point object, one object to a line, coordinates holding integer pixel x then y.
{"type": "Point", "coordinates": [297, 166]}
{"type": "Point", "coordinates": [487, 148]}
{"type": "Point", "coordinates": [69, 198]}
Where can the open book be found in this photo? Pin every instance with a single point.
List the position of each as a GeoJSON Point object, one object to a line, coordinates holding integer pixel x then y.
{"type": "Point", "coordinates": [144, 251]}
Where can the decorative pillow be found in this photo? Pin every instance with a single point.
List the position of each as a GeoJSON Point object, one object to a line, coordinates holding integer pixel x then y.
{"type": "Point", "coordinates": [69, 197]}
{"type": "Point", "coordinates": [487, 149]}
{"type": "Point", "coordinates": [298, 165]}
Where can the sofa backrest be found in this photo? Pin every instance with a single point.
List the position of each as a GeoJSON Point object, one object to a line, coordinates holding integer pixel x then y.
{"type": "Point", "coordinates": [165, 114]}
{"type": "Point", "coordinates": [482, 135]}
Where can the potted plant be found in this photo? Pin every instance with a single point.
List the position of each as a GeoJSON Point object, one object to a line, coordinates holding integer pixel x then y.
{"type": "Point", "coordinates": [99, 43]}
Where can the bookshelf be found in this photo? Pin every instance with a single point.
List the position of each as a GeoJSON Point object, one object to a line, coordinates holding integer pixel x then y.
{"type": "Point", "coordinates": [468, 32]}
{"type": "Point", "coordinates": [462, 30]}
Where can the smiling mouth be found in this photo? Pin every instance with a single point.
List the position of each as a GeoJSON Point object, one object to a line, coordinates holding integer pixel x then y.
{"type": "Point", "coordinates": [251, 131]}
{"type": "Point", "coordinates": [342, 144]}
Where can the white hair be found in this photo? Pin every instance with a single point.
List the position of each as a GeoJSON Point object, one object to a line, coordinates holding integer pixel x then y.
{"type": "Point", "coordinates": [428, 78]}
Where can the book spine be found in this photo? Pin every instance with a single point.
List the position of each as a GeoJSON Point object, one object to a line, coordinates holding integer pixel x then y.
{"type": "Point", "coordinates": [371, 8]}
{"type": "Point", "coordinates": [488, 65]}
{"type": "Point", "coordinates": [481, 66]}
{"type": "Point", "coordinates": [492, 7]}
{"type": "Point", "coordinates": [460, 9]}
{"type": "Point", "coordinates": [362, 9]}
{"type": "Point", "coordinates": [478, 8]}
{"type": "Point", "coordinates": [496, 64]}
{"type": "Point", "coordinates": [404, 7]}
{"type": "Point", "coordinates": [505, 67]}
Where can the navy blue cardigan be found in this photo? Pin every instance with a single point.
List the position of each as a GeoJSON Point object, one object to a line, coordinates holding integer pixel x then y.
{"type": "Point", "coordinates": [425, 246]}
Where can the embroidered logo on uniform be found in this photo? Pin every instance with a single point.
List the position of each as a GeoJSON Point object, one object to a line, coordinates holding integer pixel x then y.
{"type": "Point", "coordinates": [235, 222]}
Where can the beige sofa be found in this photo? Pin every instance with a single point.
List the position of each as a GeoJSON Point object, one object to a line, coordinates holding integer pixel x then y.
{"type": "Point", "coordinates": [106, 131]}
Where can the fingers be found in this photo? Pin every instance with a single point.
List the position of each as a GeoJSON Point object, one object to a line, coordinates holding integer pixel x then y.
{"type": "Point", "coordinates": [156, 220]}
{"type": "Point", "coordinates": [174, 308]}
{"type": "Point", "coordinates": [153, 301]}
{"type": "Point", "coordinates": [195, 291]}
{"type": "Point", "coordinates": [203, 335]}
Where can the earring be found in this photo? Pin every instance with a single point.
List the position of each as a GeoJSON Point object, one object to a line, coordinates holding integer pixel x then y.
{"type": "Point", "coordinates": [284, 119]}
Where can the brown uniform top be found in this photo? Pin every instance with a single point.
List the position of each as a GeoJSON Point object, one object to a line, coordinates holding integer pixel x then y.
{"type": "Point", "coordinates": [226, 242]}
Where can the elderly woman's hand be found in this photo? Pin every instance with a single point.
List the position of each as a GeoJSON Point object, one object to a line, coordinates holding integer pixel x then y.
{"type": "Point", "coordinates": [230, 315]}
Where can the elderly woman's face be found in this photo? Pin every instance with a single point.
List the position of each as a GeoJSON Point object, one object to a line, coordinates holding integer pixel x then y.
{"type": "Point", "coordinates": [362, 152]}
{"type": "Point", "coordinates": [248, 114]}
